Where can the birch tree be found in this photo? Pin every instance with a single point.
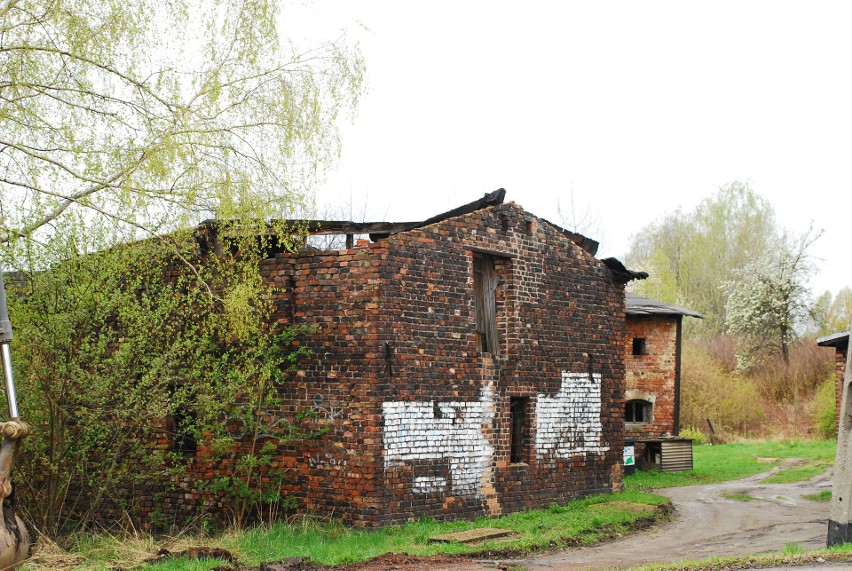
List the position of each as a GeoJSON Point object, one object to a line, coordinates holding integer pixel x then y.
{"type": "Point", "coordinates": [159, 114]}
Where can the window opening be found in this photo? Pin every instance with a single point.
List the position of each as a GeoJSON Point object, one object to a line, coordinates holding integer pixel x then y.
{"type": "Point", "coordinates": [184, 441]}
{"type": "Point", "coordinates": [518, 407]}
{"type": "Point", "coordinates": [485, 303]}
{"type": "Point", "coordinates": [637, 411]}
{"type": "Point", "coordinates": [640, 347]}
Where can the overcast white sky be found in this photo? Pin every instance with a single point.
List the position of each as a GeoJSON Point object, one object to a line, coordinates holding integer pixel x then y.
{"type": "Point", "coordinates": [638, 108]}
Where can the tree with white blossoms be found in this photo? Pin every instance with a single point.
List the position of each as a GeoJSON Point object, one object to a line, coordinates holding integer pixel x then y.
{"type": "Point", "coordinates": [159, 114]}
{"type": "Point", "coordinates": [770, 299]}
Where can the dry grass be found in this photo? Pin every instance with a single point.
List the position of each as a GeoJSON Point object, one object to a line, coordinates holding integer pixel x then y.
{"type": "Point", "coordinates": [122, 551]}
{"type": "Point", "coordinates": [773, 400]}
{"type": "Point", "coordinates": [47, 555]}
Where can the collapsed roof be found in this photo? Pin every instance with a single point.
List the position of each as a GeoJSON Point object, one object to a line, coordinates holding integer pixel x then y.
{"type": "Point", "coordinates": [381, 230]}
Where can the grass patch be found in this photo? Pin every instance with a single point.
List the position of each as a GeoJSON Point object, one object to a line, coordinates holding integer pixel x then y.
{"type": "Point", "coordinates": [723, 462]}
{"type": "Point", "coordinates": [823, 496]}
{"type": "Point", "coordinates": [799, 473]}
{"type": "Point", "coordinates": [741, 497]}
{"type": "Point", "coordinates": [578, 522]}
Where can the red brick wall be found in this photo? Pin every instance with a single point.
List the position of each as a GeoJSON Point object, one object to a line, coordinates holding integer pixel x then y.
{"type": "Point", "coordinates": [419, 421]}
{"type": "Point", "coordinates": [652, 376]}
{"type": "Point", "coordinates": [558, 311]}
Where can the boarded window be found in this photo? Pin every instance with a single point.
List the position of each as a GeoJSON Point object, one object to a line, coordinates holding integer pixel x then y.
{"type": "Point", "coordinates": [640, 347]}
{"type": "Point", "coordinates": [520, 429]}
{"type": "Point", "coordinates": [637, 411]}
{"type": "Point", "coordinates": [485, 303]}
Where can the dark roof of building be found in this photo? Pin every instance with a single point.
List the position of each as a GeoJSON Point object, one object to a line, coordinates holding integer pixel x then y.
{"type": "Point", "coordinates": [638, 305]}
{"type": "Point", "coordinates": [834, 340]}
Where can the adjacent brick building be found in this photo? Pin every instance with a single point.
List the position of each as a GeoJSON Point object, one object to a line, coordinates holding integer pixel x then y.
{"type": "Point", "coordinates": [468, 365]}
{"type": "Point", "coordinates": [652, 354]}
{"type": "Point", "coordinates": [840, 342]}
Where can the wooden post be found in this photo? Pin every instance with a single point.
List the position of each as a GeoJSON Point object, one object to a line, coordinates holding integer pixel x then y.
{"type": "Point", "coordinates": [840, 516]}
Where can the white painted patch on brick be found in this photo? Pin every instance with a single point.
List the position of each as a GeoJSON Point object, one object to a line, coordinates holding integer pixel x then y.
{"type": "Point", "coordinates": [569, 424]}
{"type": "Point", "coordinates": [430, 484]}
{"type": "Point", "coordinates": [414, 431]}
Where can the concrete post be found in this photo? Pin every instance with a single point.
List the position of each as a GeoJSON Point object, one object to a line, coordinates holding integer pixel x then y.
{"type": "Point", "coordinates": [840, 516]}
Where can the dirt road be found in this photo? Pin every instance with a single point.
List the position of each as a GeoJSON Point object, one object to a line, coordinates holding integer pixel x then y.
{"type": "Point", "coordinates": [710, 524]}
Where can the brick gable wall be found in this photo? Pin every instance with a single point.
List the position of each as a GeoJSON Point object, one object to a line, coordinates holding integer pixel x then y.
{"type": "Point", "coordinates": [447, 421]}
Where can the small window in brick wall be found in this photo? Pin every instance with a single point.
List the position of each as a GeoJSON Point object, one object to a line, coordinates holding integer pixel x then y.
{"type": "Point", "coordinates": [637, 411]}
{"type": "Point", "coordinates": [640, 347]}
{"type": "Point", "coordinates": [183, 432]}
{"type": "Point", "coordinates": [485, 303]}
{"type": "Point", "coordinates": [520, 437]}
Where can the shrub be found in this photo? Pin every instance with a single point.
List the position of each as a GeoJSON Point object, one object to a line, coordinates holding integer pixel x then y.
{"type": "Point", "coordinates": [808, 365]}
{"type": "Point", "coordinates": [730, 401]}
{"type": "Point", "coordinates": [132, 365]}
{"type": "Point", "coordinates": [824, 411]}
{"type": "Point", "coordinates": [698, 438]}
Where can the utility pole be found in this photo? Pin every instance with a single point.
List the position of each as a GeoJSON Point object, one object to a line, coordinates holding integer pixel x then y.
{"type": "Point", "coordinates": [840, 516]}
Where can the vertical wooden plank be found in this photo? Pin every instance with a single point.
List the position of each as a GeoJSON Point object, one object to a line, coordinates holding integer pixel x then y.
{"type": "Point", "coordinates": [489, 279]}
{"type": "Point", "coordinates": [479, 304]}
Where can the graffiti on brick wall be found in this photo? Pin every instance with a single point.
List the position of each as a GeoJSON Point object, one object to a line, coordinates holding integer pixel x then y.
{"type": "Point", "coordinates": [330, 412]}
{"type": "Point", "coordinates": [569, 423]}
{"type": "Point", "coordinates": [320, 461]}
{"type": "Point", "coordinates": [443, 431]}
{"type": "Point", "coordinates": [429, 484]}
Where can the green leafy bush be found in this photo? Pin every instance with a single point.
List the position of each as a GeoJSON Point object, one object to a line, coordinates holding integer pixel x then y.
{"type": "Point", "coordinates": [698, 438]}
{"type": "Point", "coordinates": [132, 364]}
{"type": "Point", "coordinates": [729, 400]}
{"type": "Point", "coordinates": [824, 413]}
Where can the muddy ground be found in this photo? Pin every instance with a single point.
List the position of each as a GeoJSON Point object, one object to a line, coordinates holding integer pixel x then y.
{"type": "Point", "coordinates": [710, 524]}
{"type": "Point", "coordinates": [707, 524]}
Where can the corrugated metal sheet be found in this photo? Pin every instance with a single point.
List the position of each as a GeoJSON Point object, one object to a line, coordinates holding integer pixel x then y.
{"type": "Point", "coordinates": [676, 455]}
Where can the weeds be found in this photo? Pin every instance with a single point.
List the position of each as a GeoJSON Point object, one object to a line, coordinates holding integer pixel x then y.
{"type": "Point", "coordinates": [799, 473]}
{"type": "Point", "coordinates": [739, 460]}
{"type": "Point", "coordinates": [741, 497]}
{"type": "Point", "coordinates": [823, 496]}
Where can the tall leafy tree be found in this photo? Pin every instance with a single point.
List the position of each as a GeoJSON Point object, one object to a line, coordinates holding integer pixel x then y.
{"type": "Point", "coordinates": [689, 255]}
{"type": "Point", "coordinates": [160, 113]}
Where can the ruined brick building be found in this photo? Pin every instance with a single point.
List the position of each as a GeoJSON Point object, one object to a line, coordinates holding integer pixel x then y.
{"type": "Point", "coordinates": [840, 342]}
{"type": "Point", "coordinates": [652, 356]}
{"type": "Point", "coordinates": [471, 364]}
